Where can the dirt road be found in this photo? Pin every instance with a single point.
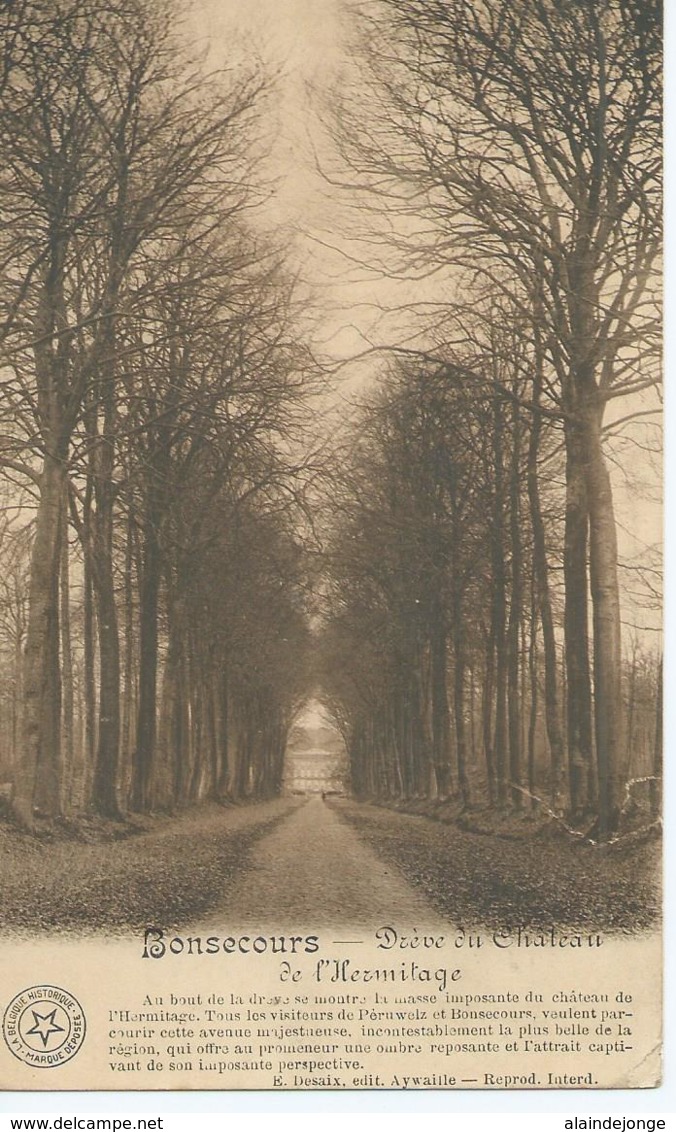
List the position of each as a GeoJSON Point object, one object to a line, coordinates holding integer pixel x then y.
{"type": "Point", "coordinates": [314, 870]}
{"type": "Point", "coordinates": [294, 862]}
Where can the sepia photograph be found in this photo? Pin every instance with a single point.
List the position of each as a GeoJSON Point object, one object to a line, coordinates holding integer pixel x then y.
{"type": "Point", "coordinates": [331, 638]}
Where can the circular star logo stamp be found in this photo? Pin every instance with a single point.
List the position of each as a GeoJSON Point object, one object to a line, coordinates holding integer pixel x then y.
{"type": "Point", "coordinates": [44, 1026]}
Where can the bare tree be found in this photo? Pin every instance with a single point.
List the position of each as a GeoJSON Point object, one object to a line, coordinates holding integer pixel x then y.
{"type": "Point", "coordinates": [526, 136]}
{"type": "Point", "coordinates": [104, 133]}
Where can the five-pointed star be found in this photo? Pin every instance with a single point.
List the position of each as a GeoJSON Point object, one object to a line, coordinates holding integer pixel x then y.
{"type": "Point", "coordinates": [45, 1025]}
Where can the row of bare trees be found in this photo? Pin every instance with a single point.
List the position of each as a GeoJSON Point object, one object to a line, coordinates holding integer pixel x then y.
{"type": "Point", "coordinates": [443, 657]}
{"type": "Point", "coordinates": [511, 154]}
{"type": "Point", "coordinates": [152, 387]}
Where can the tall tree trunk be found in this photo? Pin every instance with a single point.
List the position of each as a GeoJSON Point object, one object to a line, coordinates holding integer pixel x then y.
{"type": "Point", "coordinates": [533, 673]}
{"type": "Point", "coordinates": [541, 573]}
{"type": "Point", "coordinates": [170, 725]}
{"type": "Point", "coordinates": [576, 631]}
{"type": "Point", "coordinates": [439, 697]}
{"type": "Point", "coordinates": [17, 698]}
{"type": "Point", "coordinates": [631, 714]}
{"type": "Point", "coordinates": [223, 695]}
{"type": "Point", "coordinates": [40, 769]}
{"type": "Point", "coordinates": [459, 699]}
{"type": "Point", "coordinates": [656, 783]}
{"type": "Point", "coordinates": [104, 791]}
{"type": "Point", "coordinates": [68, 715]}
{"type": "Point", "coordinates": [499, 614]}
{"type": "Point", "coordinates": [515, 614]}
{"type": "Point", "coordinates": [606, 609]}
{"type": "Point", "coordinates": [487, 712]}
{"type": "Point", "coordinates": [88, 636]}
{"type": "Point", "coordinates": [129, 704]}
{"type": "Point", "coordinates": [146, 721]}
{"type": "Point", "coordinates": [395, 785]}
{"type": "Point", "coordinates": [472, 713]}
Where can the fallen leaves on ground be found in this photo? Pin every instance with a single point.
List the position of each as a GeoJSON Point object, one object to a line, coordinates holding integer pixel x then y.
{"type": "Point", "coordinates": [478, 880]}
{"type": "Point", "coordinates": [164, 876]}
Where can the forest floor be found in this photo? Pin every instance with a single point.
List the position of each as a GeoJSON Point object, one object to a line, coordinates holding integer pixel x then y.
{"type": "Point", "coordinates": [304, 862]}
{"type": "Point", "coordinates": [546, 880]}
{"type": "Point", "coordinates": [159, 871]}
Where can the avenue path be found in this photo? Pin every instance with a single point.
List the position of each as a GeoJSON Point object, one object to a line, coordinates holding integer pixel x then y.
{"type": "Point", "coordinates": [295, 863]}
{"type": "Point", "coordinates": [339, 862]}
{"type": "Point", "coordinates": [313, 870]}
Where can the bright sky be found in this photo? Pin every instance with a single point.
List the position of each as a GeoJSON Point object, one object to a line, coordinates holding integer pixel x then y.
{"type": "Point", "coordinates": [305, 40]}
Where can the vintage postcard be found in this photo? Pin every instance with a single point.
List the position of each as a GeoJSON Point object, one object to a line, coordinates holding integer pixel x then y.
{"type": "Point", "coordinates": [330, 545]}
